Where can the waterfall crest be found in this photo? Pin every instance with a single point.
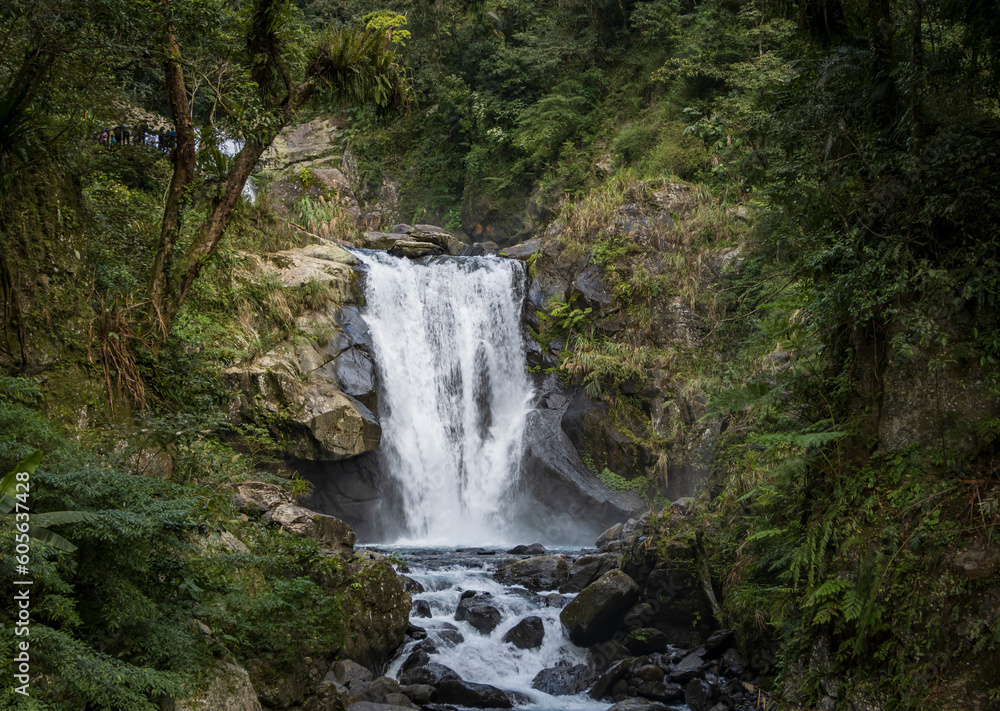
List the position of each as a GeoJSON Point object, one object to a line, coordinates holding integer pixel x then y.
{"type": "Point", "coordinates": [454, 394]}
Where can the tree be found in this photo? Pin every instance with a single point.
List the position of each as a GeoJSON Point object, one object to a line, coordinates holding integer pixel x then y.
{"type": "Point", "coordinates": [349, 65]}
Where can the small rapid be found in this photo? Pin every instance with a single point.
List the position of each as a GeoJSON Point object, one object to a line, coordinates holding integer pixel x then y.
{"type": "Point", "coordinates": [444, 576]}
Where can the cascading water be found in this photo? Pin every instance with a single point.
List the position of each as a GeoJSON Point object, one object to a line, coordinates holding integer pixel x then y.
{"type": "Point", "coordinates": [454, 393]}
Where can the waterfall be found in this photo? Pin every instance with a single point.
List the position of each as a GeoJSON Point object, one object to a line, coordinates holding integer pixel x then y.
{"type": "Point", "coordinates": [454, 394]}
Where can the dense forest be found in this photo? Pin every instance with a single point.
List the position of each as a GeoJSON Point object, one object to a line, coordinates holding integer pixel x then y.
{"type": "Point", "coordinates": [810, 183]}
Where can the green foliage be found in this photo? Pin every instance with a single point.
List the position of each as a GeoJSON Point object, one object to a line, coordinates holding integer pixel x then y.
{"type": "Point", "coordinates": [385, 20]}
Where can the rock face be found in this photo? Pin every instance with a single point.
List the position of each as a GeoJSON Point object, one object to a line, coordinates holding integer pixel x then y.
{"type": "Point", "coordinates": [325, 422]}
{"type": "Point", "coordinates": [597, 612]}
{"type": "Point", "coordinates": [572, 503]}
{"type": "Point", "coordinates": [376, 612]}
{"type": "Point", "coordinates": [318, 387]}
{"type": "Point", "coordinates": [302, 142]}
{"type": "Point", "coordinates": [539, 573]}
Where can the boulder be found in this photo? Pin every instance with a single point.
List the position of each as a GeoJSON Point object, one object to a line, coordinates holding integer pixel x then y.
{"type": "Point", "coordinates": [478, 610]}
{"type": "Point", "coordinates": [467, 693]}
{"type": "Point", "coordinates": [323, 422]}
{"type": "Point", "coordinates": [384, 690]}
{"type": "Point", "coordinates": [526, 634]}
{"type": "Point", "coordinates": [265, 494]}
{"type": "Point", "coordinates": [607, 680]}
{"type": "Point", "coordinates": [422, 608]}
{"type": "Point", "coordinates": [430, 674]}
{"type": "Point", "coordinates": [376, 611]}
{"type": "Point", "coordinates": [687, 668]}
{"type": "Point", "coordinates": [563, 681]}
{"type": "Point", "coordinates": [418, 693]}
{"type": "Point", "coordinates": [682, 610]}
{"type": "Point", "coordinates": [612, 534]}
{"type": "Point", "coordinates": [414, 587]}
{"type": "Point", "coordinates": [596, 613]}
{"type": "Point", "coordinates": [332, 533]}
{"type": "Point", "coordinates": [533, 549]}
{"type": "Point", "coordinates": [646, 640]}
{"type": "Point", "coordinates": [586, 569]}
{"type": "Point", "coordinates": [698, 695]}
{"type": "Point", "coordinates": [546, 572]}
{"type": "Point", "coordinates": [350, 675]}
{"type": "Point", "coordinates": [446, 637]}
{"type": "Point", "coordinates": [228, 689]}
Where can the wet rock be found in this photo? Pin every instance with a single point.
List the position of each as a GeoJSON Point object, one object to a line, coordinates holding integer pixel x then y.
{"type": "Point", "coordinates": [411, 586]}
{"type": "Point", "coordinates": [447, 637]}
{"type": "Point", "coordinates": [560, 482]}
{"type": "Point", "coordinates": [478, 610]}
{"type": "Point", "coordinates": [646, 640]}
{"type": "Point", "coordinates": [733, 663]}
{"type": "Point", "coordinates": [430, 674]}
{"type": "Point", "coordinates": [414, 632]}
{"type": "Point", "coordinates": [660, 691]}
{"type": "Point", "coordinates": [526, 634]}
{"type": "Point", "coordinates": [563, 681]}
{"type": "Point", "coordinates": [355, 373]}
{"type": "Point", "coordinates": [413, 249]}
{"type": "Point", "coordinates": [605, 682]}
{"type": "Point", "coordinates": [719, 640]}
{"type": "Point", "coordinates": [533, 549]}
{"type": "Point", "coordinates": [698, 695]}
{"type": "Point", "coordinates": [648, 672]}
{"type": "Point", "coordinates": [640, 705]}
{"type": "Point", "coordinates": [596, 613]}
{"type": "Point", "coordinates": [545, 572]}
{"type": "Point", "coordinates": [586, 569]}
{"type": "Point", "coordinates": [556, 600]}
{"type": "Point", "coordinates": [602, 656]}
{"type": "Point", "coordinates": [422, 608]}
{"type": "Point", "coordinates": [687, 668]}
{"type": "Point", "coordinates": [467, 693]}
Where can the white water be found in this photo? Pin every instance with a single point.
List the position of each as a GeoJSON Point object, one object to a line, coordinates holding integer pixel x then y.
{"type": "Point", "coordinates": [487, 659]}
{"type": "Point", "coordinates": [453, 393]}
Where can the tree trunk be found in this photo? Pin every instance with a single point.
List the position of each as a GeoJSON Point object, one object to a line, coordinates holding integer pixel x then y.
{"type": "Point", "coordinates": [209, 234]}
{"type": "Point", "coordinates": [161, 293]}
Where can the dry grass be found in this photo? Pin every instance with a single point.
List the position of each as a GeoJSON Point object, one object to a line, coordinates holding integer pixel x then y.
{"type": "Point", "coordinates": [112, 336]}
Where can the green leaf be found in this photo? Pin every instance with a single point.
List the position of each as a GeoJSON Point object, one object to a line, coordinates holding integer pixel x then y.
{"type": "Point", "coordinates": [44, 535]}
